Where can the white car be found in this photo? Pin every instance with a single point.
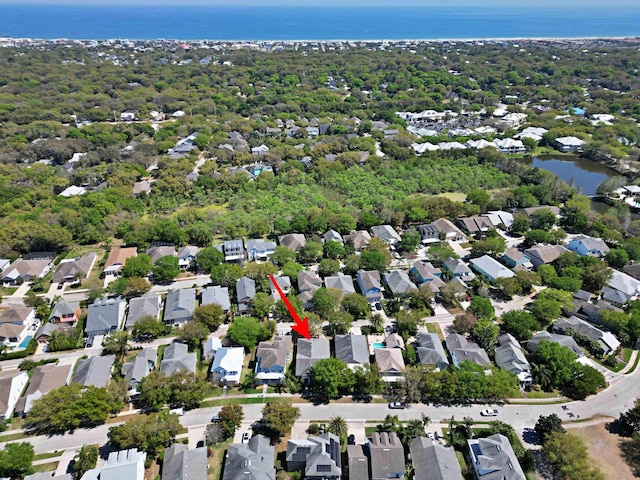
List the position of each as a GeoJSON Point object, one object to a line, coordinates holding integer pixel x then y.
{"type": "Point", "coordinates": [489, 412]}
{"type": "Point", "coordinates": [431, 436]}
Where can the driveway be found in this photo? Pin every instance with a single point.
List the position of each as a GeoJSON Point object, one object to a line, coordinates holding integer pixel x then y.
{"type": "Point", "coordinates": [356, 427]}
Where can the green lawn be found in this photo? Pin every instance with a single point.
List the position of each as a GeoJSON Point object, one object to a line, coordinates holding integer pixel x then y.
{"type": "Point", "coordinates": [235, 401]}
{"type": "Point", "coordinates": [42, 456]}
{"type": "Point", "coordinates": [635, 364]}
{"type": "Point", "coordinates": [45, 467]}
{"type": "Point", "coordinates": [432, 327]}
{"type": "Point", "coordinates": [539, 393]}
{"type": "Point", "coordinates": [626, 354]}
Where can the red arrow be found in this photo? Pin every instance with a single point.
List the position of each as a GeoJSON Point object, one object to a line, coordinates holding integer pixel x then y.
{"type": "Point", "coordinates": [301, 326]}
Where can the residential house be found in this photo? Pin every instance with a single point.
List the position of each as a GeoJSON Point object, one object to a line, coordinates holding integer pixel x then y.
{"type": "Point", "coordinates": [140, 187]}
{"type": "Point", "coordinates": [176, 358]}
{"type": "Point", "coordinates": [535, 133]}
{"type": "Point", "coordinates": [15, 323]}
{"type": "Point", "coordinates": [458, 269]}
{"type": "Point", "coordinates": [28, 268]}
{"type": "Point", "coordinates": [284, 282]}
{"type": "Point", "coordinates": [179, 306]}
{"type": "Point", "coordinates": [500, 219]}
{"type": "Point", "coordinates": [433, 461]}
{"type": "Point", "coordinates": [569, 144]}
{"type": "Point", "coordinates": [272, 359]}
{"type": "Point", "coordinates": [94, 371]}
{"type": "Point", "coordinates": [332, 236]}
{"type": "Point", "coordinates": [292, 240]}
{"type": "Point", "coordinates": [509, 145]}
{"type": "Point", "coordinates": [358, 463]}
{"type": "Point", "coordinates": [493, 458]}
{"type": "Point", "coordinates": [227, 365]}
{"type": "Point", "coordinates": [390, 363]}
{"type": "Point", "coordinates": [490, 268]}
{"type": "Point", "coordinates": [353, 350]}
{"type": "Point", "coordinates": [341, 282]}
{"type": "Point", "coordinates": [398, 282]}
{"type": "Point", "coordinates": [122, 465]}
{"type": "Point", "coordinates": [476, 225]}
{"type": "Point", "coordinates": [586, 245]}
{"type": "Point", "coordinates": [606, 340]}
{"type": "Point", "coordinates": [128, 116]}
{"type": "Point", "coordinates": [360, 239]}
{"type": "Point", "coordinates": [615, 297]}
{"type": "Point", "coordinates": [624, 283]}
{"type": "Point", "coordinates": [233, 250]}
{"type": "Point", "coordinates": [216, 294]}
{"type": "Point", "coordinates": [259, 249]}
{"type": "Point", "coordinates": [309, 352]}
{"type": "Point", "coordinates": [428, 233]}
{"type": "Point", "coordinates": [117, 259]}
{"type": "Point", "coordinates": [425, 273]}
{"type": "Point", "coordinates": [71, 270]}
{"type": "Point", "coordinates": [544, 254]}
{"type": "Point", "coordinates": [564, 340]}
{"type": "Point", "coordinates": [146, 306]}
{"type": "Point", "coordinates": [514, 258]}
{"type": "Point", "coordinates": [370, 285]}
{"type": "Point", "coordinates": [105, 315]}
{"type": "Point", "coordinates": [44, 379]}
{"type": "Point", "coordinates": [430, 351]}
{"type": "Point", "coordinates": [260, 150]}
{"type": "Point", "coordinates": [250, 461]}
{"type": "Point", "coordinates": [160, 251]}
{"type": "Point", "coordinates": [12, 383]}
{"type": "Point", "coordinates": [245, 291]}
{"type": "Point", "coordinates": [141, 366]}
{"type": "Point", "coordinates": [529, 211]}
{"type": "Point", "coordinates": [211, 345]}
{"type": "Point", "coordinates": [4, 264]}
{"type": "Point", "coordinates": [449, 231]}
{"type": "Point", "coordinates": [46, 331]}
{"type": "Point", "coordinates": [187, 256]}
{"type": "Point", "coordinates": [633, 270]}
{"type": "Point", "coordinates": [393, 340]}
{"type": "Point", "coordinates": [509, 356]}
{"type": "Point", "coordinates": [64, 312]}
{"type": "Point", "coordinates": [182, 463]}
{"type": "Point", "coordinates": [462, 349]}
{"type": "Point", "coordinates": [386, 456]}
{"type": "Point", "coordinates": [318, 457]}
{"type": "Point", "coordinates": [386, 233]}
{"type": "Point", "coordinates": [308, 283]}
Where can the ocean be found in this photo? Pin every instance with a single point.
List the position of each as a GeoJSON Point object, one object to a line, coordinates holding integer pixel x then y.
{"type": "Point", "coordinates": [315, 23]}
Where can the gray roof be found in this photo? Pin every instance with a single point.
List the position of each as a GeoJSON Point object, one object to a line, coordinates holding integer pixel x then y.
{"type": "Point", "coordinates": [77, 266]}
{"type": "Point", "coordinates": [432, 461]}
{"type": "Point", "coordinates": [188, 251]}
{"type": "Point", "coordinates": [250, 461]}
{"type": "Point", "coordinates": [308, 281]}
{"type": "Point", "coordinates": [332, 236]}
{"type": "Point", "coordinates": [105, 314]}
{"type": "Point", "coordinates": [341, 282]}
{"type": "Point", "coordinates": [321, 455]}
{"type": "Point", "coordinates": [94, 371]}
{"type": "Point", "coordinates": [180, 304]}
{"type": "Point", "coordinates": [399, 282]}
{"type": "Point", "coordinates": [592, 244]}
{"type": "Point", "coordinates": [218, 295]}
{"type": "Point", "coordinates": [430, 350]}
{"type": "Point", "coordinates": [63, 308]}
{"type": "Point", "coordinates": [182, 463]}
{"type": "Point", "coordinates": [389, 360]}
{"type": "Point", "coordinates": [369, 279]}
{"type": "Point", "coordinates": [260, 245]}
{"type": "Point", "coordinates": [360, 239]}
{"type": "Point", "coordinates": [274, 353]}
{"type": "Point", "coordinates": [509, 355]}
{"type": "Point", "coordinates": [352, 349]}
{"type": "Point", "coordinates": [457, 267]}
{"type": "Point", "coordinates": [245, 289]}
{"type": "Point", "coordinates": [309, 352]}
{"type": "Point", "coordinates": [387, 455]}
{"type": "Point", "coordinates": [147, 305]}
{"type": "Point", "coordinates": [386, 233]}
{"type": "Point", "coordinates": [606, 340]}
{"type": "Point", "coordinates": [44, 379]}
{"type": "Point", "coordinates": [177, 358]}
{"type": "Point", "coordinates": [494, 457]}
{"type": "Point", "coordinates": [292, 240]}
{"type": "Point", "coordinates": [489, 266]}
{"type": "Point", "coordinates": [156, 253]}
{"type": "Point", "coordinates": [564, 340]}
{"type": "Point", "coordinates": [358, 463]}
{"type": "Point", "coordinates": [124, 465]}
{"type": "Point", "coordinates": [463, 350]}
{"type": "Point", "coordinates": [140, 366]}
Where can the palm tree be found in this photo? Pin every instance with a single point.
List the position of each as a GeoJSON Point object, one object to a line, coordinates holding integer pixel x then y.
{"type": "Point", "coordinates": [338, 426]}
{"type": "Point", "coordinates": [376, 321]}
{"type": "Point", "coordinates": [541, 375]}
{"type": "Point", "coordinates": [425, 420]}
{"type": "Point", "coordinates": [390, 424]}
{"type": "Point", "coordinates": [86, 459]}
{"type": "Point", "coordinates": [413, 429]}
{"type": "Point", "coordinates": [468, 423]}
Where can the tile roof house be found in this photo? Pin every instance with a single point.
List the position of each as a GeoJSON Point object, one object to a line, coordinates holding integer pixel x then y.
{"type": "Point", "coordinates": [245, 291]}
{"type": "Point", "coordinates": [390, 363]}
{"type": "Point", "coordinates": [360, 239]}
{"type": "Point", "coordinates": [564, 340]}
{"type": "Point", "coordinates": [490, 268]}
{"type": "Point", "coordinates": [227, 365]}
{"type": "Point", "coordinates": [94, 371]}
{"type": "Point", "coordinates": [44, 379]}
{"type": "Point", "coordinates": [353, 350]}
{"type": "Point", "coordinates": [586, 245]}
{"type": "Point", "coordinates": [292, 240]}
{"type": "Point", "coordinates": [449, 230]}
{"type": "Point", "coordinates": [341, 282]}
{"type": "Point", "coordinates": [398, 282]}
{"type": "Point", "coordinates": [146, 306]}
{"type": "Point", "coordinates": [509, 356]}
{"type": "Point", "coordinates": [12, 383]}
{"type": "Point", "coordinates": [71, 269]}
{"type": "Point", "coordinates": [259, 249]}
{"type": "Point", "coordinates": [370, 285]}
{"type": "Point", "coordinates": [309, 352]}
{"type": "Point", "coordinates": [493, 458]}
{"type": "Point", "coordinates": [182, 463]}
{"type": "Point", "coordinates": [433, 461]}
{"type": "Point", "coordinates": [157, 252]}
{"type": "Point", "coordinates": [607, 340]}
{"type": "Point", "coordinates": [358, 463]}
{"type": "Point", "coordinates": [105, 315]}
{"type": "Point", "coordinates": [318, 457]}
{"type": "Point", "coordinates": [122, 465]}
{"type": "Point", "coordinates": [179, 306]}
{"type": "Point", "coordinates": [176, 358]}
{"type": "Point", "coordinates": [141, 366]}
{"type": "Point", "coordinates": [386, 233]}
{"type": "Point", "coordinates": [462, 349]}
{"type": "Point", "coordinates": [386, 456]}
{"type": "Point", "coordinates": [65, 312]}
{"type": "Point", "coordinates": [430, 351]}
{"type": "Point", "coordinates": [544, 254]}
{"type": "Point", "coordinates": [117, 259]}
{"type": "Point", "coordinates": [216, 294]}
{"type": "Point", "coordinates": [458, 269]}
{"type": "Point", "coordinates": [233, 250]}
{"type": "Point", "coordinates": [250, 461]}
{"type": "Point", "coordinates": [272, 359]}
{"type": "Point", "coordinates": [187, 255]}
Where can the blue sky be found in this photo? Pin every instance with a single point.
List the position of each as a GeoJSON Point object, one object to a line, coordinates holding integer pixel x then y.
{"type": "Point", "coordinates": [334, 3]}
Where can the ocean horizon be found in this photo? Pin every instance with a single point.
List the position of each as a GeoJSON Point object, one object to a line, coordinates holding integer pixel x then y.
{"type": "Point", "coordinates": [311, 23]}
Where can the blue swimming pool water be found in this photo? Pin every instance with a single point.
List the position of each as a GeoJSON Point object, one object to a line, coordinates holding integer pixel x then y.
{"type": "Point", "coordinates": [26, 341]}
{"type": "Point", "coordinates": [378, 345]}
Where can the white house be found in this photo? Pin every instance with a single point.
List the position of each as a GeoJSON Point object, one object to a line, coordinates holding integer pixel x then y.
{"type": "Point", "coordinates": [227, 365]}
{"type": "Point", "coordinates": [569, 144]}
{"type": "Point", "coordinates": [12, 383]}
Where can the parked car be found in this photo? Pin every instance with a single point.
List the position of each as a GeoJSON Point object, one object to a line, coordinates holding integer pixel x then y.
{"type": "Point", "coordinates": [489, 412]}
{"type": "Point", "coordinates": [397, 405]}
{"type": "Point", "coordinates": [177, 411]}
{"type": "Point", "coordinates": [245, 437]}
{"type": "Point", "coordinates": [215, 418]}
{"type": "Point", "coordinates": [431, 436]}
{"type": "Point", "coordinates": [351, 440]}
{"type": "Point", "coordinates": [89, 342]}
{"type": "Point", "coordinates": [378, 306]}
{"type": "Point", "coordinates": [60, 285]}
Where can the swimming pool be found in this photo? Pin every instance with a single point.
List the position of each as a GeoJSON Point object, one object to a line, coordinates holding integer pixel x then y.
{"type": "Point", "coordinates": [378, 344]}
{"type": "Point", "coordinates": [25, 342]}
